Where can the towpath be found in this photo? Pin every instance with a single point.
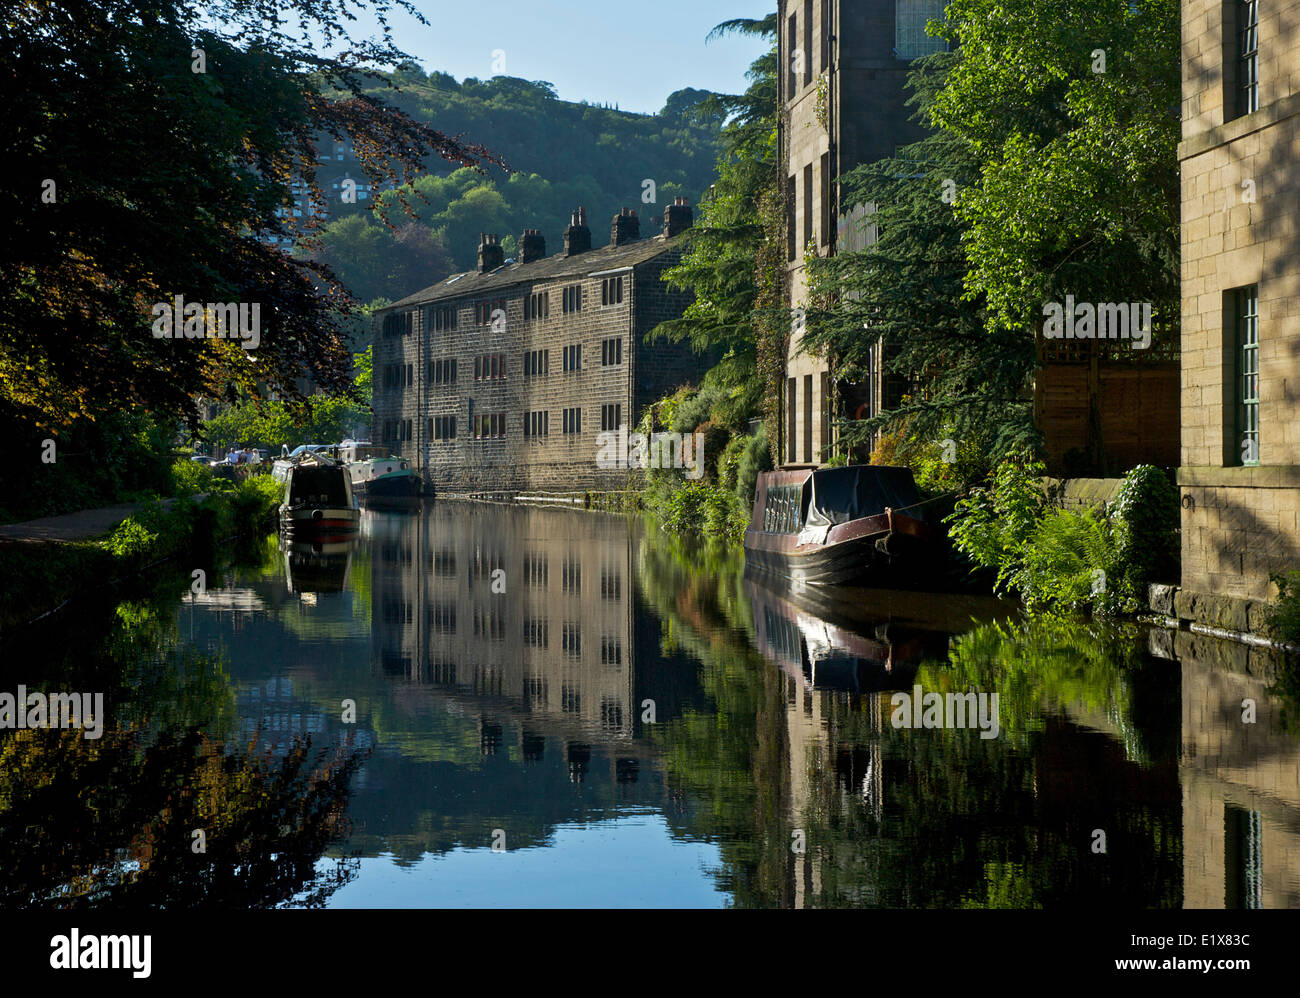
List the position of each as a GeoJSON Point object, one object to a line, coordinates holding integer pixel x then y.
{"type": "Point", "coordinates": [80, 526]}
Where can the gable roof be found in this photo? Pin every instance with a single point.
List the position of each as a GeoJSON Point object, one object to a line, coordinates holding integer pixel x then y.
{"type": "Point", "coordinates": [546, 269]}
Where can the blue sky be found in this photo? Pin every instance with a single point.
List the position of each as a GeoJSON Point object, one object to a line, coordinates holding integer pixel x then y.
{"type": "Point", "coordinates": [630, 53]}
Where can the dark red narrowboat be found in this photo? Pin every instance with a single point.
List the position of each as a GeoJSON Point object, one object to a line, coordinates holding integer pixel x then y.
{"type": "Point", "coordinates": [864, 524]}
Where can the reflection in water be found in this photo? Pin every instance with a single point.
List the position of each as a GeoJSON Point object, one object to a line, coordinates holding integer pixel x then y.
{"type": "Point", "coordinates": [630, 723]}
{"type": "Point", "coordinates": [314, 566]}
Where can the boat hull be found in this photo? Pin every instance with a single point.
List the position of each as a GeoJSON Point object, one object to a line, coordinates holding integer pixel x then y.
{"type": "Point", "coordinates": [391, 490]}
{"type": "Point", "coordinates": [860, 535]}
{"type": "Point", "coordinates": [319, 522]}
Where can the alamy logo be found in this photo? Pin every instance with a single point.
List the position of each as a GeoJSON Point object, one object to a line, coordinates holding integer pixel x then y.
{"type": "Point", "coordinates": [215, 320]}
{"type": "Point", "coordinates": [77, 952]}
{"type": "Point", "coordinates": [1108, 320]}
{"type": "Point", "coordinates": [58, 710]}
{"type": "Point", "coordinates": [660, 451]}
{"type": "Point", "coordinates": [952, 710]}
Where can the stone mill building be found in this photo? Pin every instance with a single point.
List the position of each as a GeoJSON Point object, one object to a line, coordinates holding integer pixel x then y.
{"type": "Point", "coordinates": [502, 378]}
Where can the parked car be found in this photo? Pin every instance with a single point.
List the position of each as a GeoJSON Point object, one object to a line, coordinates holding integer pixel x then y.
{"type": "Point", "coordinates": [203, 459]}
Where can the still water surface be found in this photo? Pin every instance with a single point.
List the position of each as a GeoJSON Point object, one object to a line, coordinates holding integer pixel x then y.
{"type": "Point", "coordinates": [490, 706]}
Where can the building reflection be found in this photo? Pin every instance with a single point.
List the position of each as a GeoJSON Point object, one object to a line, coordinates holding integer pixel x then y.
{"type": "Point", "coordinates": [1240, 779]}
{"type": "Point", "coordinates": [525, 619]}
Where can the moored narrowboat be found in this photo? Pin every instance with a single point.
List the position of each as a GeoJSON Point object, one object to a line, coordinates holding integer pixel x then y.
{"type": "Point", "coordinates": [860, 524]}
{"type": "Point", "coordinates": [318, 500]}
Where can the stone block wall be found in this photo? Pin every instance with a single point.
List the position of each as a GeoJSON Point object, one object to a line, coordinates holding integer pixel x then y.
{"type": "Point", "coordinates": [554, 461]}
{"type": "Point", "coordinates": [1240, 227]}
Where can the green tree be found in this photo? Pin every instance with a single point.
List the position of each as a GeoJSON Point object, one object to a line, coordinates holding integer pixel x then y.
{"type": "Point", "coordinates": [167, 168]}
{"type": "Point", "coordinates": [1072, 111]}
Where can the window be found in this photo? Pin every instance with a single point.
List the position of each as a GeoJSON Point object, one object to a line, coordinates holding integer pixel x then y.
{"type": "Point", "coordinates": [573, 357]}
{"type": "Point", "coordinates": [910, 39]}
{"type": "Point", "coordinates": [489, 625]}
{"type": "Point", "coordinates": [537, 306]}
{"type": "Point", "coordinates": [825, 417]}
{"type": "Point", "coordinates": [536, 571]}
{"type": "Point", "coordinates": [443, 621]}
{"type": "Point", "coordinates": [611, 651]}
{"type": "Point", "coordinates": [1243, 864]}
{"type": "Point", "coordinates": [791, 40]}
{"type": "Point", "coordinates": [571, 639]}
{"type": "Point", "coordinates": [611, 351]}
{"type": "Point", "coordinates": [783, 509]}
{"type": "Point", "coordinates": [442, 427]}
{"type": "Point", "coordinates": [537, 632]}
{"type": "Point", "coordinates": [573, 420]}
{"type": "Point", "coordinates": [826, 199]}
{"type": "Point", "coordinates": [1246, 309]}
{"type": "Point", "coordinates": [790, 231]}
{"type": "Point", "coordinates": [570, 698]}
{"type": "Point", "coordinates": [611, 585]}
{"type": "Point", "coordinates": [611, 291]}
{"type": "Point", "coordinates": [825, 36]}
{"type": "Point", "coordinates": [1247, 25]}
{"type": "Point", "coordinates": [484, 309]}
{"type": "Point", "coordinates": [537, 363]}
{"type": "Point", "coordinates": [442, 372]}
{"type": "Point", "coordinates": [791, 415]}
{"type": "Point", "coordinates": [490, 367]}
{"type": "Point", "coordinates": [807, 42]}
{"type": "Point", "coordinates": [444, 563]}
{"type": "Point", "coordinates": [536, 690]}
{"type": "Point", "coordinates": [573, 298]}
{"type": "Point", "coordinates": [807, 206]}
{"type": "Point", "coordinates": [611, 416]}
{"type": "Point", "coordinates": [537, 424]}
{"type": "Point", "coordinates": [489, 426]}
{"type": "Point", "coordinates": [807, 418]}
{"type": "Point", "coordinates": [442, 317]}
{"type": "Point", "coordinates": [398, 323]}
{"type": "Point", "coordinates": [571, 576]}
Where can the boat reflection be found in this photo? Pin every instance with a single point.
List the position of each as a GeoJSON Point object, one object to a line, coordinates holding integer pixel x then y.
{"type": "Point", "coordinates": [316, 566]}
{"type": "Point", "coordinates": [820, 648]}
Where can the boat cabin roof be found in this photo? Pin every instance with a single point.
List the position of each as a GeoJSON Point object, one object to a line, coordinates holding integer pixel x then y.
{"type": "Point", "coordinates": [784, 501]}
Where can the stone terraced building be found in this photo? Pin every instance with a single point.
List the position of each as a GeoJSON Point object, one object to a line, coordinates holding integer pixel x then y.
{"type": "Point", "coordinates": [501, 379]}
{"type": "Point", "coordinates": [1240, 474]}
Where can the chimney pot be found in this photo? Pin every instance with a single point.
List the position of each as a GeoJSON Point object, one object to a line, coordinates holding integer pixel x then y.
{"type": "Point", "coordinates": [677, 217]}
{"type": "Point", "coordinates": [532, 246]}
{"type": "Point", "coordinates": [624, 228]}
{"type": "Point", "coordinates": [490, 254]}
{"type": "Point", "coordinates": [577, 237]}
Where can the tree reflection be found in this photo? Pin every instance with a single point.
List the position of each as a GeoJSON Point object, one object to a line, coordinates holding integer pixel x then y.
{"type": "Point", "coordinates": [930, 817]}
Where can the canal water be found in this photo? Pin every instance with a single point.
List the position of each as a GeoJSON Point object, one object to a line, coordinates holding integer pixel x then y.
{"type": "Point", "coordinates": [480, 705]}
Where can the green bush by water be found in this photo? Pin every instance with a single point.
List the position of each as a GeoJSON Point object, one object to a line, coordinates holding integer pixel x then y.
{"type": "Point", "coordinates": [1068, 560]}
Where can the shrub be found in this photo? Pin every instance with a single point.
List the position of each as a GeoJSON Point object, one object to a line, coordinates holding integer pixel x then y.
{"type": "Point", "coordinates": [130, 540]}
{"type": "Point", "coordinates": [1067, 563]}
{"type": "Point", "coordinates": [992, 526]}
{"type": "Point", "coordinates": [754, 459]}
{"type": "Point", "coordinates": [1145, 514]}
{"type": "Point", "coordinates": [695, 409]}
{"type": "Point", "coordinates": [1284, 615]}
{"type": "Point", "coordinates": [189, 477]}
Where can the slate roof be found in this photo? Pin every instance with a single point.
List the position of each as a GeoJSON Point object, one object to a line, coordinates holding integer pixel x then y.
{"type": "Point", "coordinates": [546, 269]}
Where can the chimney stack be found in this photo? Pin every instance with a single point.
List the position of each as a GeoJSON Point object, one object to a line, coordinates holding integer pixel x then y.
{"type": "Point", "coordinates": [491, 255]}
{"type": "Point", "coordinates": [625, 228]}
{"type": "Point", "coordinates": [577, 237]}
{"type": "Point", "coordinates": [677, 217]}
{"type": "Point", "coordinates": [532, 245]}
